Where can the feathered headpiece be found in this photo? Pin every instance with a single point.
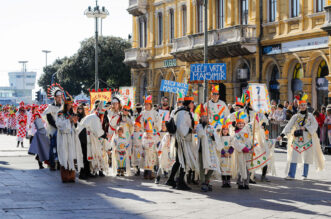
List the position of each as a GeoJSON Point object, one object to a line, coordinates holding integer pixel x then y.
{"type": "Point", "coordinates": [148, 99]}
{"type": "Point", "coordinates": [180, 96]}
{"type": "Point", "coordinates": [241, 101]}
{"type": "Point", "coordinates": [215, 89]}
{"type": "Point", "coordinates": [247, 96]}
{"type": "Point", "coordinates": [54, 90]}
{"type": "Point", "coordinates": [225, 123]}
{"type": "Point", "coordinates": [301, 98]}
{"type": "Point", "coordinates": [137, 123]}
{"type": "Point", "coordinates": [68, 98]}
{"type": "Point", "coordinates": [128, 105]}
{"type": "Point", "coordinates": [148, 125]}
{"type": "Point", "coordinates": [240, 116]}
{"type": "Point", "coordinates": [201, 110]}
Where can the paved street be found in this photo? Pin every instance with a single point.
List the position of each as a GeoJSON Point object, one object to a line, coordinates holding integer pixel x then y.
{"type": "Point", "coordinates": [27, 192]}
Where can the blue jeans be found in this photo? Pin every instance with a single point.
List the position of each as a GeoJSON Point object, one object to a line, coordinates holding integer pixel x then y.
{"type": "Point", "coordinates": [293, 168]}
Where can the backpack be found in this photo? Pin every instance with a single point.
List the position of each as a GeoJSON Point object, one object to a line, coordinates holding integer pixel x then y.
{"type": "Point", "coordinates": [171, 125]}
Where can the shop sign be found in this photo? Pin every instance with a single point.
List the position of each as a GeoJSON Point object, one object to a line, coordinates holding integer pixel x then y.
{"type": "Point", "coordinates": [170, 63]}
{"type": "Point", "coordinates": [208, 72]}
{"type": "Point", "coordinates": [307, 44]}
{"type": "Point", "coordinates": [272, 49]}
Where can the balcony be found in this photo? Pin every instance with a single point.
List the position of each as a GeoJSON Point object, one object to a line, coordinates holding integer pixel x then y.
{"type": "Point", "coordinates": [327, 25]}
{"type": "Point", "coordinates": [137, 7]}
{"type": "Point", "coordinates": [136, 57]}
{"type": "Point", "coordinates": [228, 42]}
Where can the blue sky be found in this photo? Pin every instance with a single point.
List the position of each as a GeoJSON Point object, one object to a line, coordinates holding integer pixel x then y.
{"type": "Point", "coordinates": [29, 26]}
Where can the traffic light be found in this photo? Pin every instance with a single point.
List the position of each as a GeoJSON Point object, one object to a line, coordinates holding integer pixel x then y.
{"type": "Point", "coordinates": [38, 96]}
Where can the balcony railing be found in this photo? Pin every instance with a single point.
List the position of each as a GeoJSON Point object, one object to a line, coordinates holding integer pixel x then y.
{"type": "Point", "coordinates": [137, 7]}
{"type": "Point", "coordinates": [239, 39]}
{"type": "Point", "coordinates": [136, 57]}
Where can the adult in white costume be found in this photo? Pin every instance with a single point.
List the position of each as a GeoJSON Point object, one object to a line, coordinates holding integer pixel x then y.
{"type": "Point", "coordinates": [50, 113]}
{"type": "Point", "coordinates": [303, 145]}
{"type": "Point", "coordinates": [97, 145]}
{"type": "Point", "coordinates": [69, 148]}
{"type": "Point", "coordinates": [185, 158]}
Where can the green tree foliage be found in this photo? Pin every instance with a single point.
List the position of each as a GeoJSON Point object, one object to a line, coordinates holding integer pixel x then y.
{"type": "Point", "coordinates": [76, 73]}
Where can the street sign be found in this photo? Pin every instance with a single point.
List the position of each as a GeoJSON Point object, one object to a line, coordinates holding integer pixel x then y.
{"type": "Point", "coordinates": [173, 87]}
{"type": "Point", "coordinates": [259, 98]}
{"type": "Point", "coordinates": [208, 72]}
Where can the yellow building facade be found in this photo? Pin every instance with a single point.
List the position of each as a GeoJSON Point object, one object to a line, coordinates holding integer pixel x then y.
{"type": "Point", "coordinates": [277, 42]}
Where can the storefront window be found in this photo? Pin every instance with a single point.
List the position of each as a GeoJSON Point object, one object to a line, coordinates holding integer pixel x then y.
{"type": "Point", "coordinates": [297, 75]}
{"type": "Point", "coordinates": [322, 84]}
{"type": "Point", "coordinates": [274, 85]}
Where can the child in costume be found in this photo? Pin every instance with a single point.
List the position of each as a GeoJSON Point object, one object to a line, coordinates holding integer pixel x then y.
{"type": "Point", "coordinates": [243, 145]}
{"type": "Point", "coordinates": [225, 151]}
{"type": "Point", "coordinates": [121, 149]}
{"type": "Point", "coordinates": [21, 133]}
{"type": "Point", "coordinates": [165, 154]}
{"type": "Point", "coordinates": [150, 141]}
{"type": "Point", "coordinates": [137, 148]}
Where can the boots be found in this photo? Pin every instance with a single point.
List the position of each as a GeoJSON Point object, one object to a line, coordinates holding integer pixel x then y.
{"type": "Point", "coordinates": [22, 144]}
{"type": "Point", "coordinates": [18, 144]}
{"type": "Point", "coordinates": [138, 171]}
{"type": "Point", "coordinates": [181, 182]}
{"type": "Point", "coordinates": [40, 165]}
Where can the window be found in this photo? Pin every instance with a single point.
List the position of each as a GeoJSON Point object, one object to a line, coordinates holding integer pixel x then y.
{"type": "Point", "coordinates": [172, 25]}
{"type": "Point", "coordinates": [244, 12]}
{"type": "Point", "coordinates": [320, 4]}
{"type": "Point", "coordinates": [184, 20]}
{"type": "Point", "coordinates": [160, 28]}
{"type": "Point", "coordinates": [220, 13]}
{"type": "Point", "coordinates": [297, 72]}
{"type": "Point", "coordinates": [294, 8]}
{"type": "Point", "coordinates": [272, 10]}
{"type": "Point", "coordinates": [142, 32]}
{"type": "Point", "coordinates": [200, 17]}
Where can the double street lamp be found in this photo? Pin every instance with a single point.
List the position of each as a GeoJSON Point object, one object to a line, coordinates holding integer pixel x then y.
{"type": "Point", "coordinates": [96, 13]}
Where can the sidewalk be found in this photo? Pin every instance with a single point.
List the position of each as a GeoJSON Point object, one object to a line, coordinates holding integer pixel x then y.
{"type": "Point", "coordinates": [27, 192]}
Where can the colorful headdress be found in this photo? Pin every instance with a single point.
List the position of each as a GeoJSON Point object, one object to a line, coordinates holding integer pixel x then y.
{"type": "Point", "coordinates": [201, 110]}
{"type": "Point", "coordinates": [215, 89]}
{"type": "Point", "coordinates": [240, 116]}
{"type": "Point", "coordinates": [302, 98]}
{"type": "Point", "coordinates": [128, 105]}
{"type": "Point", "coordinates": [225, 123]}
{"type": "Point", "coordinates": [180, 96]}
{"type": "Point", "coordinates": [148, 99]}
{"type": "Point", "coordinates": [241, 101]}
{"type": "Point", "coordinates": [247, 96]}
{"type": "Point", "coordinates": [188, 98]}
{"type": "Point", "coordinates": [54, 90]}
{"type": "Point", "coordinates": [137, 123]}
{"type": "Point", "coordinates": [22, 107]}
{"type": "Point", "coordinates": [148, 125]}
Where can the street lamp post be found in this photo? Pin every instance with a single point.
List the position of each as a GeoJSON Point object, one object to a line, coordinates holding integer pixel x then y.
{"type": "Point", "coordinates": [96, 13]}
{"type": "Point", "coordinates": [46, 52]}
{"type": "Point", "coordinates": [23, 70]}
{"type": "Point", "coordinates": [205, 60]}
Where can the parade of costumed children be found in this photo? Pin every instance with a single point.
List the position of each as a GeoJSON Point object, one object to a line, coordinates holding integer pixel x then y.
{"type": "Point", "coordinates": [303, 143]}
{"type": "Point", "coordinates": [137, 158]}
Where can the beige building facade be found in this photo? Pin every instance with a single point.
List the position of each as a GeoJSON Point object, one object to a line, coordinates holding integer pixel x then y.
{"type": "Point", "coordinates": [277, 42]}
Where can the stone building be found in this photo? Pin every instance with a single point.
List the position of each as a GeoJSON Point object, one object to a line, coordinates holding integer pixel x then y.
{"type": "Point", "coordinates": [277, 42]}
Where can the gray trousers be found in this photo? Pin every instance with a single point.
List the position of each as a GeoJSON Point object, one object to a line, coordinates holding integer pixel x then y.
{"type": "Point", "coordinates": [242, 182]}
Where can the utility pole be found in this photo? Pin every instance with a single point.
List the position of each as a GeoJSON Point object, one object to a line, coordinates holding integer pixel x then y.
{"type": "Point", "coordinates": [205, 59]}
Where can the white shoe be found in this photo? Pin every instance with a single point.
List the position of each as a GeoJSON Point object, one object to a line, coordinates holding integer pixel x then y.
{"type": "Point", "coordinates": [304, 178]}
{"type": "Point", "coordinates": [289, 178]}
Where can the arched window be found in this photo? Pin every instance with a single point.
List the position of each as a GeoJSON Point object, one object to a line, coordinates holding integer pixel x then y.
{"type": "Point", "coordinates": [200, 17]}
{"type": "Point", "coordinates": [184, 20]}
{"type": "Point", "coordinates": [274, 84]}
{"type": "Point", "coordinates": [322, 84]}
{"type": "Point", "coordinates": [220, 12]}
{"type": "Point", "coordinates": [297, 84]}
{"type": "Point", "coordinates": [172, 25]}
{"type": "Point", "coordinates": [142, 32]}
